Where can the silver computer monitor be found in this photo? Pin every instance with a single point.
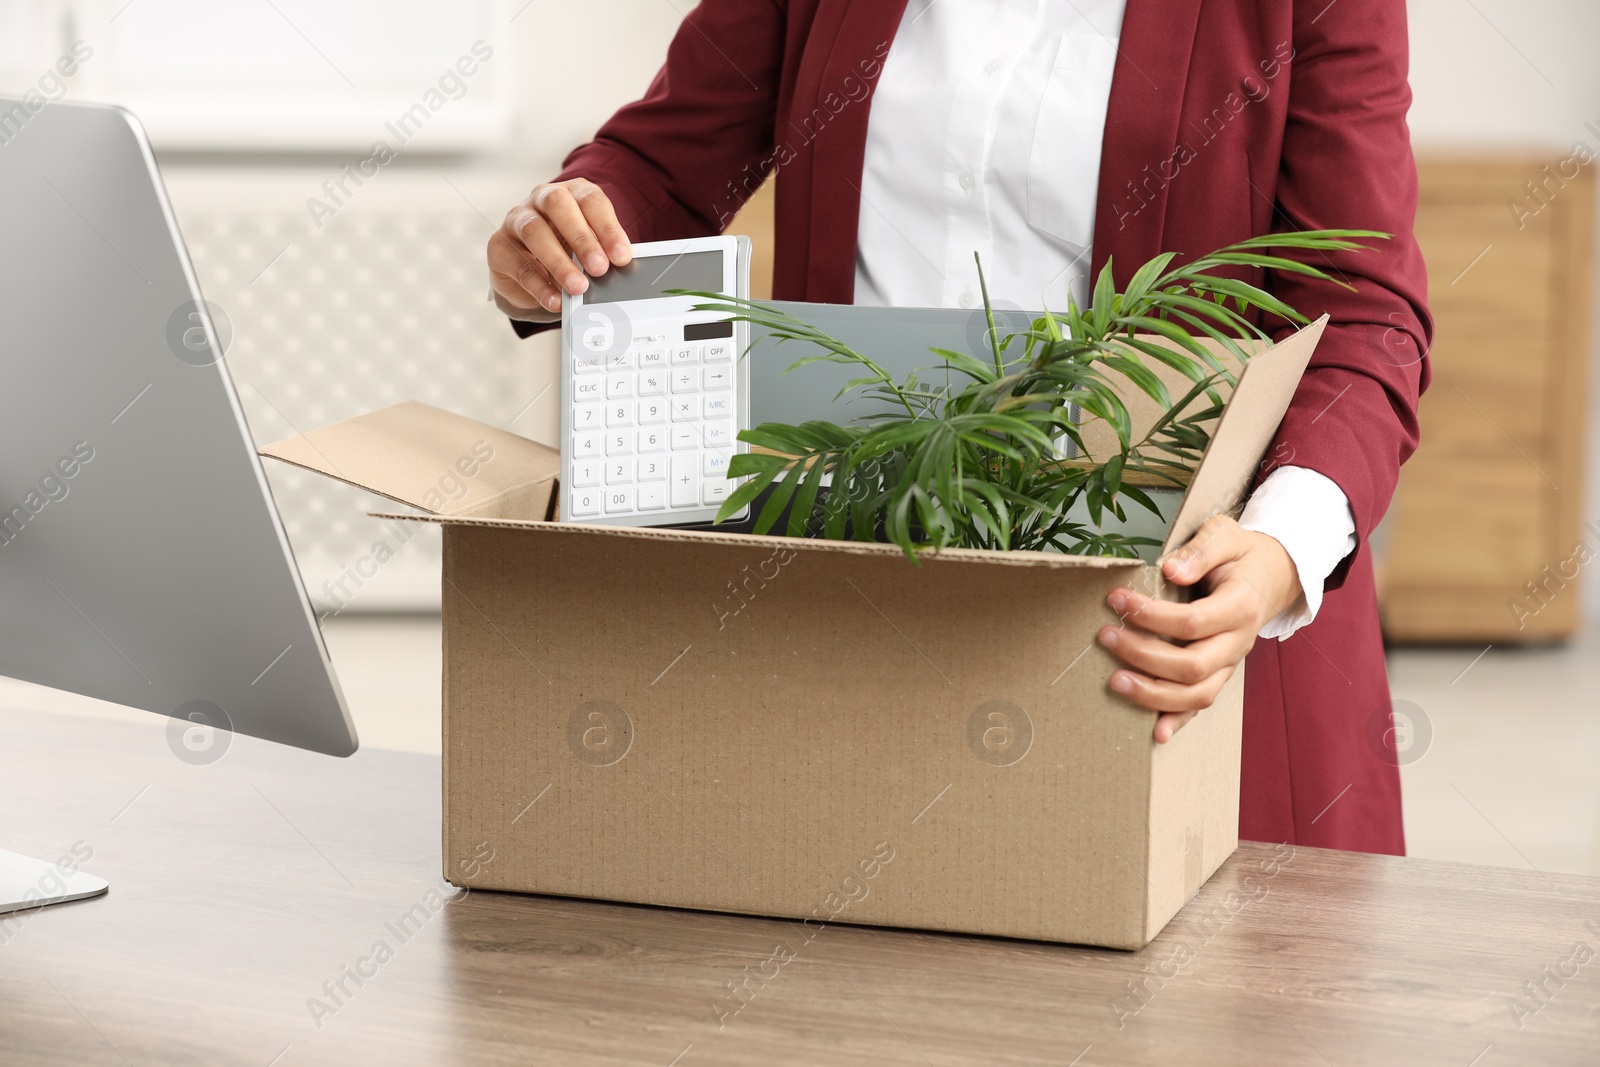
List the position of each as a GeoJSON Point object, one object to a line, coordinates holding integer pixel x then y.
{"type": "Point", "coordinates": [141, 558]}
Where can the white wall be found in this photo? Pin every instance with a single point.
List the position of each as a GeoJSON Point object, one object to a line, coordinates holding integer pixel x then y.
{"type": "Point", "coordinates": [577, 63]}
{"type": "Point", "coordinates": [1498, 72]}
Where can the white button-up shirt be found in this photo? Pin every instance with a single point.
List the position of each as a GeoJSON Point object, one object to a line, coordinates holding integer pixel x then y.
{"type": "Point", "coordinates": [984, 136]}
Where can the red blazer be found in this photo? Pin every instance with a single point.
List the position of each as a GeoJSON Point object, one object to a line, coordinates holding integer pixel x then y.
{"type": "Point", "coordinates": [1226, 120]}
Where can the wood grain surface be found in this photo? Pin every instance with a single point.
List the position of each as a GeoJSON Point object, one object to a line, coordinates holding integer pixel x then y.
{"type": "Point", "coordinates": [246, 890]}
{"type": "Point", "coordinates": [1488, 503]}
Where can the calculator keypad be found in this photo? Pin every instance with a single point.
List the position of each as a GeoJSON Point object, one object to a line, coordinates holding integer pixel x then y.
{"type": "Point", "coordinates": [652, 430]}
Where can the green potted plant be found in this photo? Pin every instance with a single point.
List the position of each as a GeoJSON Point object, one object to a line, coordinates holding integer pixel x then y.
{"type": "Point", "coordinates": [980, 465]}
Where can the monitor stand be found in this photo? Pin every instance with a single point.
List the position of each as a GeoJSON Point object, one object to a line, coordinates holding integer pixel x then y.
{"type": "Point", "coordinates": [29, 883]}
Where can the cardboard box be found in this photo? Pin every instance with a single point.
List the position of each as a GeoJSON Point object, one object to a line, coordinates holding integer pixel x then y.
{"type": "Point", "coordinates": [806, 729]}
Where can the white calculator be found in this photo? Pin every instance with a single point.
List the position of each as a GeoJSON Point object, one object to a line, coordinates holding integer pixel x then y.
{"type": "Point", "coordinates": [653, 393]}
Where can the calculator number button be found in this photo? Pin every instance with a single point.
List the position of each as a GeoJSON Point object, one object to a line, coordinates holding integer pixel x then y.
{"type": "Point", "coordinates": [586, 445]}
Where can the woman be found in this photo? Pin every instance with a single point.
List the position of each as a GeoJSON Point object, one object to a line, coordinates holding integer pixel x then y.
{"type": "Point", "coordinates": [1049, 136]}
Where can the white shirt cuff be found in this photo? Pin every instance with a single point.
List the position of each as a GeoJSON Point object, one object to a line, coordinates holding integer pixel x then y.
{"type": "Point", "coordinates": [1309, 515]}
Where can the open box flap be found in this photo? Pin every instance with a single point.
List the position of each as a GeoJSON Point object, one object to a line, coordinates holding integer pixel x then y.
{"type": "Point", "coordinates": [1246, 428]}
{"type": "Point", "coordinates": [446, 464]}
{"type": "Point", "coordinates": [1100, 437]}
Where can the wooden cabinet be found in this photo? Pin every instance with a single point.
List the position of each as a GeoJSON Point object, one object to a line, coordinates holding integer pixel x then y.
{"type": "Point", "coordinates": [1494, 495]}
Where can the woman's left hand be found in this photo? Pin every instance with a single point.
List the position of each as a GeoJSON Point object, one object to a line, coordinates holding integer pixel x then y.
{"type": "Point", "coordinates": [1179, 656]}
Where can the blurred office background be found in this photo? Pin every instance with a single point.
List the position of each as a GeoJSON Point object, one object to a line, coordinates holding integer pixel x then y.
{"type": "Point", "coordinates": [352, 278]}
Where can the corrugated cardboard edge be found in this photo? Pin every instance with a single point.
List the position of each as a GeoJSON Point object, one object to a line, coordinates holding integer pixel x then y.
{"type": "Point", "coordinates": [1248, 424]}
{"type": "Point", "coordinates": [1185, 849]}
{"type": "Point", "coordinates": [803, 544]}
{"type": "Point", "coordinates": [405, 451]}
{"type": "Point", "coordinates": [447, 613]}
{"type": "Point", "coordinates": [535, 493]}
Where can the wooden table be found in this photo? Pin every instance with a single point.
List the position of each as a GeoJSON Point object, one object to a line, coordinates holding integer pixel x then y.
{"type": "Point", "coordinates": [242, 890]}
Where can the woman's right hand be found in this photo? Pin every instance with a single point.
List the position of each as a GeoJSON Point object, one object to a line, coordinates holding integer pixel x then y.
{"type": "Point", "coordinates": [530, 255]}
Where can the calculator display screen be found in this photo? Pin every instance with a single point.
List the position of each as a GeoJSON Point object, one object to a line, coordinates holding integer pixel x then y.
{"type": "Point", "coordinates": [652, 276]}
